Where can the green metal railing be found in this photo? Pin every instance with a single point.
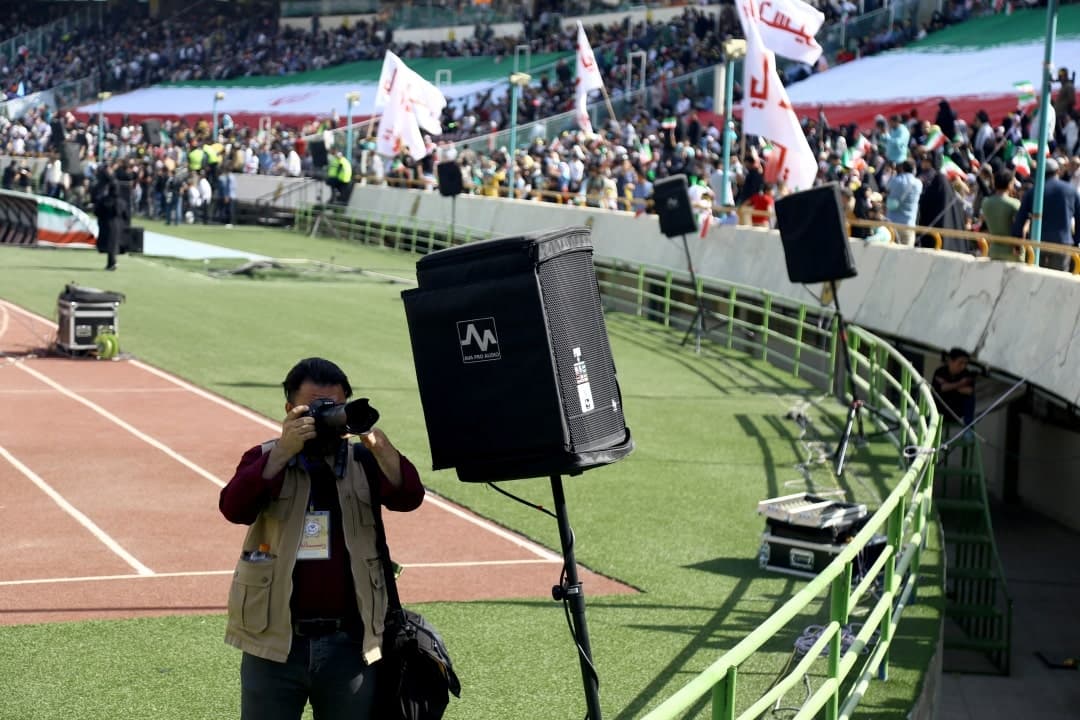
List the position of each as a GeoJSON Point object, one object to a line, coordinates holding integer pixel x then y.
{"type": "Point", "coordinates": [804, 339]}
{"type": "Point", "coordinates": [979, 605]}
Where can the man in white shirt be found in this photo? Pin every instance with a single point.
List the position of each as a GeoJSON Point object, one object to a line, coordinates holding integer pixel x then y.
{"type": "Point", "coordinates": [206, 197]}
{"type": "Point", "coordinates": [292, 163]}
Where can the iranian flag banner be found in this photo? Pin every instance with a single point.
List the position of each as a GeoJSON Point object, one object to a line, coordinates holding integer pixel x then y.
{"type": "Point", "coordinates": [951, 170]}
{"type": "Point", "coordinates": [967, 63]}
{"type": "Point", "coordinates": [318, 95]}
{"type": "Point", "coordinates": [935, 140]}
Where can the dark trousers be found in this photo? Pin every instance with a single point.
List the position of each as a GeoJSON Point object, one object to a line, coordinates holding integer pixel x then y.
{"type": "Point", "coordinates": [328, 671]}
{"type": "Point", "coordinates": [108, 241]}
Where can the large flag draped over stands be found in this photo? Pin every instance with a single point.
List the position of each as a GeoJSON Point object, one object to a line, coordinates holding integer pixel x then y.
{"type": "Point", "coordinates": [588, 79]}
{"type": "Point", "coordinates": [767, 111]}
{"type": "Point", "coordinates": [788, 27]}
{"type": "Point", "coordinates": [409, 103]}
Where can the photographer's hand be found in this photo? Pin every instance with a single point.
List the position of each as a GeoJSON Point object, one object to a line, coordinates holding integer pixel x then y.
{"type": "Point", "coordinates": [385, 454]}
{"type": "Point", "coordinates": [296, 429]}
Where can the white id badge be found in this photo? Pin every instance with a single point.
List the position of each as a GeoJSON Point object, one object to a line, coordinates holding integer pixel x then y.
{"type": "Point", "coordinates": [315, 544]}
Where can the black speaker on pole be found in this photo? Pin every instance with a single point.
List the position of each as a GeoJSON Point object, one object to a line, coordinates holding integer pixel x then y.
{"type": "Point", "coordinates": [70, 162]}
{"type": "Point", "coordinates": [450, 181]}
{"type": "Point", "coordinates": [814, 234]}
{"type": "Point", "coordinates": [512, 358]}
{"type": "Point", "coordinates": [672, 203]}
{"type": "Point", "coordinates": [57, 134]}
{"type": "Point", "coordinates": [151, 130]}
{"type": "Point", "coordinates": [816, 249]}
{"type": "Point", "coordinates": [317, 148]}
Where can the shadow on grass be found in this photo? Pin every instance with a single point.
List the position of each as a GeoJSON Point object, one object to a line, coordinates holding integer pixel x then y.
{"type": "Point", "coordinates": [251, 384]}
{"type": "Point", "coordinates": [716, 360]}
{"type": "Point", "coordinates": [730, 567]}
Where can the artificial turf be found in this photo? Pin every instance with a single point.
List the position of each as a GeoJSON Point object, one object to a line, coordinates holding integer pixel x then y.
{"type": "Point", "coordinates": [676, 519]}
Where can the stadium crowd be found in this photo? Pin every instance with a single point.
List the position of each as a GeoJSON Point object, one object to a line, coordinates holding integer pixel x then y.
{"type": "Point", "coordinates": [128, 50]}
{"type": "Point", "coordinates": [896, 170]}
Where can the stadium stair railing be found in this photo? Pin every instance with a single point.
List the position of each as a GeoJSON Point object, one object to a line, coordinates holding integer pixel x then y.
{"type": "Point", "coordinates": [804, 339]}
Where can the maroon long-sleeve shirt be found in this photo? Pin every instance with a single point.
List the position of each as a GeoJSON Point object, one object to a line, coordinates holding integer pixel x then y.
{"type": "Point", "coordinates": [321, 588]}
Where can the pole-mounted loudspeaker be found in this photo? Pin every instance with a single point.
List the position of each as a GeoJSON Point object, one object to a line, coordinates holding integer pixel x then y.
{"type": "Point", "coordinates": [512, 358]}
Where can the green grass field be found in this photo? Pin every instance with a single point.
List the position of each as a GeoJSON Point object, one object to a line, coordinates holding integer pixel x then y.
{"type": "Point", "coordinates": [676, 519]}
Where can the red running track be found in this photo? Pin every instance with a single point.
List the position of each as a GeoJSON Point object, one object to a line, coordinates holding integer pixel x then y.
{"type": "Point", "coordinates": [110, 473]}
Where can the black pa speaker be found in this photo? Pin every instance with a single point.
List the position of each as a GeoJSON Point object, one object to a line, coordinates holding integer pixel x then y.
{"type": "Point", "coordinates": [317, 148]}
{"type": "Point", "coordinates": [450, 182]}
{"type": "Point", "coordinates": [57, 134]}
{"type": "Point", "coordinates": [512, 358]}
{"type": "Point", "coordinates": [672, 203]}
{"type": "Point", "coordinates": [132, 241]}
{"type": "Point", "coordinates": [814, 234]}
{"type": "Point", "coordinates": [70, 162]}
{"type": "Point", "coordinates": [151, 131]}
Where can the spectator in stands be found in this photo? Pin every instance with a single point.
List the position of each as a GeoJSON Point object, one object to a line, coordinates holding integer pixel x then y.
{"type": "Point", "coordinates": [1061, 206]}
{"type": "Point", "coordinates": [939, 205]}
{"type": "Point", "coordinates": [897, 138]}
{"type": "Point", "coordinates": [1066, 96]}
{"type": "Point", "coordinates": [998, 214]}
{"type": "Point", "coordinates": [759, 206]}
{"type": "Point", "coordinates": [902, 201]}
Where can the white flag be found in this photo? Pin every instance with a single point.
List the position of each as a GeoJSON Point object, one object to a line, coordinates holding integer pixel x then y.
{"type": "Point", "coordinates": [427, 100]}
{"type": "Point", "coordinates": [399, 129]}
{"type": "Point", "coordinates": [788, 27]}
{"type": "Point", "coordinates": [767, 111]}
{"type": "Point", "coordinates": [588, 78]}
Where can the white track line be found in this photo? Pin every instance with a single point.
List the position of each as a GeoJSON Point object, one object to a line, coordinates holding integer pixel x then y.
{"type": "Point", "coordinates": [71, 510]}
{"type": "Point", "coordinates": [487, 525]}
{"type": "Point", "coordinates": [184, 385]}
{"type": "Point", "coordinates": [542, 552]}
{"type": "Point", "coordinates": [131, 429]}
{"type": "Point", "coordinates": [204, 573]}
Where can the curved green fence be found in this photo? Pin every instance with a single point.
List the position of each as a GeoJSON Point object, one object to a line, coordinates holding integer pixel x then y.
{"type": "Point", "coordinates": [803, 339]}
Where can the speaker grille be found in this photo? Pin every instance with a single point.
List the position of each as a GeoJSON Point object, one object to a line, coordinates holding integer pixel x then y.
{"type": "Point", "coordinates": [586, 374]}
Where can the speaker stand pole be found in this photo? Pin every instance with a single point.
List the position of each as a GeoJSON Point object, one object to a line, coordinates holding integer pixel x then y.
{"type": "Point", "coordinates": [453, 217]}
{"type": "Point", "coordinates": [697, 324]}
{"type": "Point", "coordinates": [854, 416]}
{"type": "Point", "coordinates": [571, 592]}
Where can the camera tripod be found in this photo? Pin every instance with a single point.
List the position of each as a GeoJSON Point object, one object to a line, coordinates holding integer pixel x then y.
{"type": "Point", "coordinates": [320, 215]}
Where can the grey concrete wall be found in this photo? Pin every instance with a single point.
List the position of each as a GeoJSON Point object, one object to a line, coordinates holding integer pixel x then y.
{"type": "Point", "coordinates": [1010, 316]}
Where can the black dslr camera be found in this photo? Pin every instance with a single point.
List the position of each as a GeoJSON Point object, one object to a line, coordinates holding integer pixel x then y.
{"type": "Point", "coordinates": [332, 420]}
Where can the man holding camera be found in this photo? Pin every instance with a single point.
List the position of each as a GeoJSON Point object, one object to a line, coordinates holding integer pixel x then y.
{"type": "Point", "coordinates": [308, 599]}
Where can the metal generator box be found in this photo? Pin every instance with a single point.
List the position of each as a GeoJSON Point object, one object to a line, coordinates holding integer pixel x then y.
{"type": "Point", "coordinates": [806, 558]}
{"type": "Point", "coordinates": [796, 557]}
{"type": "Point", "coordinates": [80, 322]}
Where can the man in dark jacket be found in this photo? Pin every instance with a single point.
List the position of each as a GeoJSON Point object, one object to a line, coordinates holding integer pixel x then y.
{"type": "Point", "coordinates": [113, 213]}
{"type": "Point", "coordinates": [1061, 205]}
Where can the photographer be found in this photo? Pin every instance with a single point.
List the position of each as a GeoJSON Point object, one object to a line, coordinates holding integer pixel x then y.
{"type": "Point", "coordinates": [308, 597]}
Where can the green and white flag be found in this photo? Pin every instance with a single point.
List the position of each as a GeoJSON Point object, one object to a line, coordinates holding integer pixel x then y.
{"type": "Point", "coordinates": [950, 169]}
{"type": "Point", "coordinates": [1025, 93]}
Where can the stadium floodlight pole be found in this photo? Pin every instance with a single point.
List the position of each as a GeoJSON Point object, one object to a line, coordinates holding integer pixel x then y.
{"type": "Point", "coordinates": [734, 49]}
{"type": "Point", "coordinates": [217, 96]}
{"type": "Point", "coordinates": [1044, 130]}
{"type": "Point", "coordinates": [351, 99]}
{"type": "Point", "coordinates": [517, 81]}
